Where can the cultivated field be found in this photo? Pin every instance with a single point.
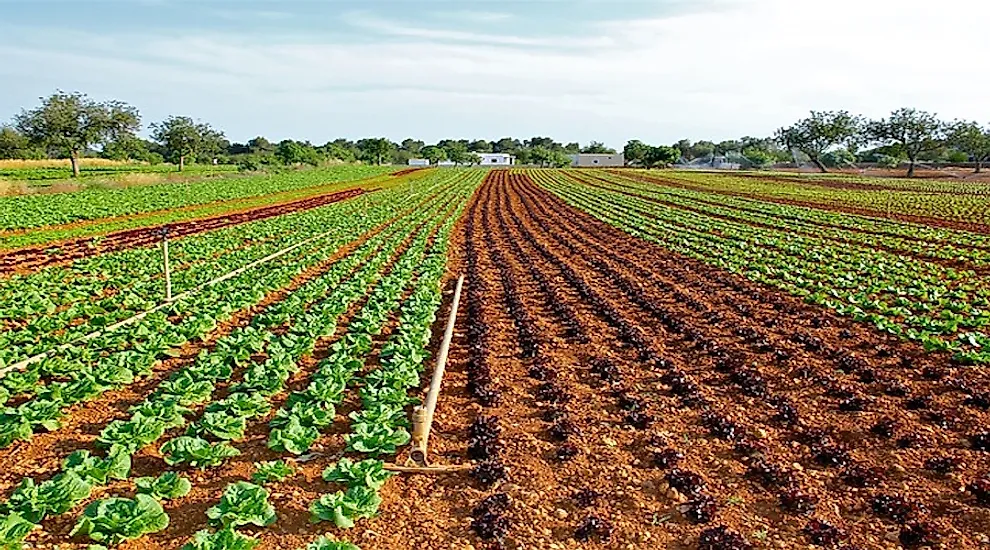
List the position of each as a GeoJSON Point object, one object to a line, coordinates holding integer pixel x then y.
{"type": "Point", "coordinates": [641, 359]}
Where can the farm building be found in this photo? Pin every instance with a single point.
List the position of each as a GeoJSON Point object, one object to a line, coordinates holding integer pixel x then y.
{"type": "Point", "coordinates": [496, 159]}
{"type": "Point", "coordinates": [419, 162]}
{"type": "Point", "coordinates": [594, 160]}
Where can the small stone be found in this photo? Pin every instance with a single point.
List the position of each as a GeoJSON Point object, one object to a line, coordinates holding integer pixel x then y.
{"type": "Point", "coordinates": [560, 513]}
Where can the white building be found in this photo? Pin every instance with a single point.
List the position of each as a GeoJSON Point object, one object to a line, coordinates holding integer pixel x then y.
{"type": "Point", "coordinates": [496, 159]}
{"type": "Point", "coordinates": [419, 162]}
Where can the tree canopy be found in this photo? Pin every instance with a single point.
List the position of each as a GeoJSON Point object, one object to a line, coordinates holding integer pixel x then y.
{"type": "Point", "coordinates": [70, 123]}
{"type": "Point", "coordinates": [820, 132]}
{"type": "Point", "coordinates": [972, 139]}
{"type": "Point", "coordinates": [915, 131]}
{"type": "Point", "coordinates": [182, 137]}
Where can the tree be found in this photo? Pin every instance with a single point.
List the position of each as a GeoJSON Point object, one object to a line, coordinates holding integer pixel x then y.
{"type": "Point", "coordinates": [597, 147]}
{"type": "Point", "coordinates": [972, 139]}
{"type": "Point", "coordinates": [757, 157]}
{"type": "Point", "coordinates": [261, 146]}
{"type": "Point", "coordinates": [480, 146]}
{"type": "Point", "coordinates": [703, 149]}
{"type": "Point", "coordinates": [660, 155]}
{"type": "Point", "coordinates": [434, 154]}
{"type": "Point", "coordinates": [182, 137]}
{"type": "Point", "coordinates": [473, 159]}
{"type": "Point", "coordinates": [340, 149]}
{"type": "Point", "coordinates": [376, 149]}
{"type": "Point", "coordinates": [127, 148]}
{"type": "Point", "coordinates": [72, 122]}
{"type": "Point", "coordinates": [837, 158]}
{"type": "Point", "coordinates": [818, 133]}
{"type": "Point", "coordinates": [635, 151]}
{"type": "Point", "coordinates": [13, 144]}
{"type": "Point", "coordinates": [291, 153]}
{"type": "Point", "coordinates": [506, 145]}
{"type": "Point", "coordinates": [917, 132]}
{"type": "Point", "coordinates": [725, 147]}
{"type": "Point", "coordinates": [414, 146]}
{"type": "Point", "coordinates": [457, 152]}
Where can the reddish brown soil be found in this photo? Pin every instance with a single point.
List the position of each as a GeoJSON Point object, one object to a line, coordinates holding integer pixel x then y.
{"type": "Point", "coordinates": [912, 218]}
{"type": "Point", "coordinates": [635, 304]}
{"type": "Point", "coordinates": [551, 293]}
{"type": "Point", "coordinates": [406, 171]}
{"type": "Point", "coordinates": [31, 259]}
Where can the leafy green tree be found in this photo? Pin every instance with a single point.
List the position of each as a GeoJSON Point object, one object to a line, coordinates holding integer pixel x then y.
{"type": "Point", "coordinates": [524, 156]}
{"type": "Point", "coordinates": [973, 140]}
{"type": "Point", "coordinates": [660, 155]}
{"type": "Point", "coordinates": [506, 145]}
{"type": "Point", "coordinates": [72, 122]}
{"type": "Point", "coordinates": [703, 149]}
{"type": "Point", "coordinates": [260, 146]}
{"type": "Point", "coordinates": [376, 150]}
{"type": "Point", "coordinates": [413, 146]}
{"type": "Point", "coordinates": [434, 154]}
{"type": "Point", "coordinates": [837, 158]}
{"type": "Point", "coordinates": [128, 148]}
{"type": "Point", "coordinates": [635, 151]}
{"type": "Point", "coordinates": [480, 146]}
{"type": "Point", "coordinates": [725, 147]}
{"type": "Point", "coordinates": [544, 142]}
{"type": "Point", "coordinates": [473, 159]}
{"type": "Point", "coordinates": [572, 148]}
{"type": "Point", "coordinates": [292, 153]}
{"type": "Point", "coordinates": [917, 132]}
{"type": "Point", "coordinates": [339, 151]}
{"type": "Point", "coordinates": [818, 133]}
{"type": "Point", "coordinates": [757, 157]}
{"type": "Point", "coordinates": [597, 147]}
{"type": "Point", "coordinates": [182, 137]}
{"type": "Point", "coordinates": [457, 152]}
{"type": "Point", "coordinates": [13, 144]}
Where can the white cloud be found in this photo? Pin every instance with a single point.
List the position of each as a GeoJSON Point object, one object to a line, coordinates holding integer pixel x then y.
{"type": "Point", "coordinates": [475, 16]}
{"type": "Point", "coordinates": [741, 67]}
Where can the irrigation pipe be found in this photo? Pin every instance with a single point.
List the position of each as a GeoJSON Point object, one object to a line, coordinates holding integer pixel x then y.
{"type": "Point", "coordinates": [142, 315]}
{"type": "Point", "coordinates": [34, 359]}
{"type": "Point", "coordinates": [423, 414]}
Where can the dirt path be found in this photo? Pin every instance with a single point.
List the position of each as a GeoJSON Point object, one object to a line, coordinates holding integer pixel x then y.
{"type": "Point", "coordinates": [31, 259]}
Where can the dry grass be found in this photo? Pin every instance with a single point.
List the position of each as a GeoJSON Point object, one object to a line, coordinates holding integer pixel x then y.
{"type": "Point", "coordinates": [21, 164]}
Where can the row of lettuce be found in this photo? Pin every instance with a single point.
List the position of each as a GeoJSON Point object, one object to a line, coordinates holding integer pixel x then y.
{"type": "Point", "coordinates": [939, 306]}
{"type": "Point", "coordinates": [395, 274]}
{"type": "Point", "coordinates": [955, 201]}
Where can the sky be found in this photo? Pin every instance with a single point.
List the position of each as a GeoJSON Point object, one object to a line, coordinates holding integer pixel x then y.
{"type": "Point", "coordinates": [603, 70]}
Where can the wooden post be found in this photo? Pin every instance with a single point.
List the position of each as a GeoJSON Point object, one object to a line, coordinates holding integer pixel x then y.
{"type": "Point", "coordinates": [168, 271]}
{"type": "Point", "coordinates": [423, 415]}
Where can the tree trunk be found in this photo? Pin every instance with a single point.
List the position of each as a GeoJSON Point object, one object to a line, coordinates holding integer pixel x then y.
{"type": "Point", "coordinates": [979, 166]}
{"type": "Point", "coordinates": [182, 162]}
{"type": "Point", "coordinates": [819, 164]}
{"type": "Point", "coordinates": [910, 173]}
{"type": "Point", "coordinates": [74, 159]}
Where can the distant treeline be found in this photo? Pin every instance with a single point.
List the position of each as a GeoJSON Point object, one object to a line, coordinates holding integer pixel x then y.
{"type": "Point", "coordinates": [72, 126]}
